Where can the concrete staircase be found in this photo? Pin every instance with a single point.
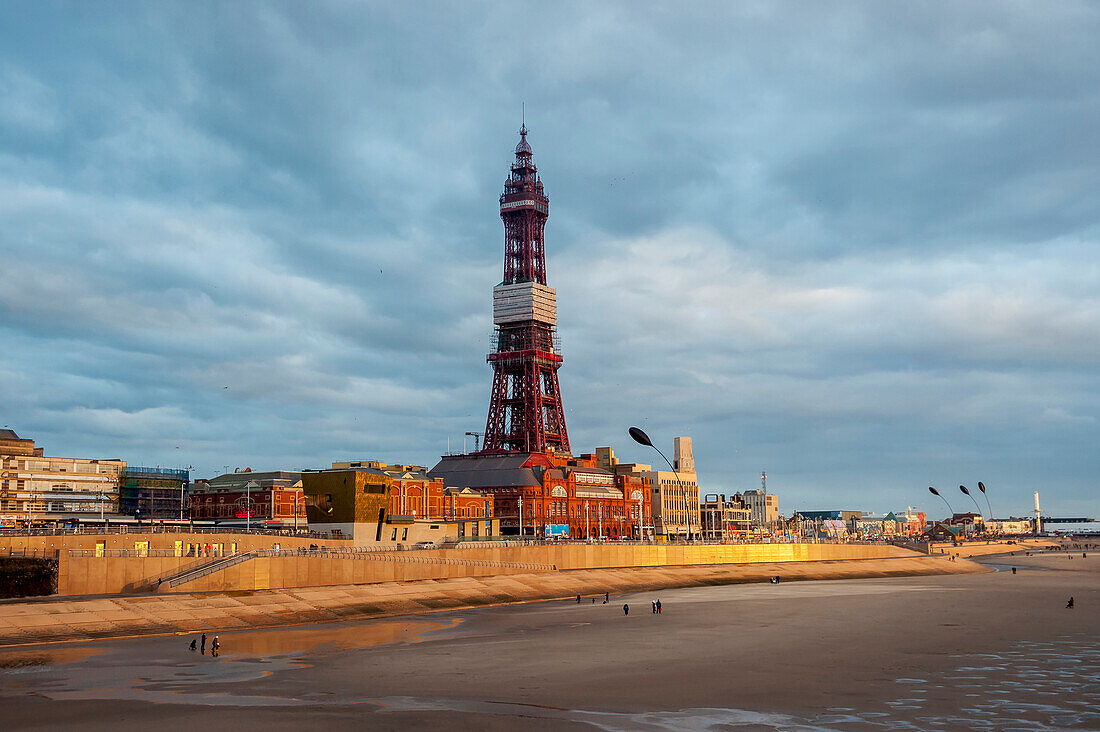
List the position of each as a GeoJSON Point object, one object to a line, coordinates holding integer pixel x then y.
{"type": "Point", "coordinates": [193, 573]}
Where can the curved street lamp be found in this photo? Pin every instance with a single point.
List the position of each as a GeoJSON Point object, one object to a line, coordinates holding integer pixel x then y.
{"type": "Point", "coordinates": [643, 439]}
{"type": "Point", "coordinates": [964, 490]}
{"type": "Point", "coordinates": [981, 487]}
{"type": "Point", "coordinates": [935, 492]}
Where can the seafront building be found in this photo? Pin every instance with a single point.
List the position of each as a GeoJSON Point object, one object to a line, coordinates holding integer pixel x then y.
{"type": "Point", "coordinates": [724, 519]}
{"type": "Point", "coordinates": [764, 508]}
{"type": "Point", "coordinates": [552, 495]}
{"type": "Point", "coordinates": [34, 487]}
{"type": "Point", "coordinates": [153, 493]}
{"type": "Point", "coordinates": [970, 523]}
{"type": "Point", "coordinates": [371, 502]}
{"type": "Point", "coordinates": [902, 524]}
{"type": "Point", "coordinates": [272, 498]}
{"type": "Point", "coordinates": [1011, 527]}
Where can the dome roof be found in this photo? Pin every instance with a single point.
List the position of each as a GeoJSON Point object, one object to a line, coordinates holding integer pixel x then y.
{"type": "Point", "coordinates": [523, 148]}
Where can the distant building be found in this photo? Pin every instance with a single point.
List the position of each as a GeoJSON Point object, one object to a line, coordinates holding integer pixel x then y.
{"type": "Point", "coordinates": [34, 487]}
{"type": "Point", "coordinates": [833, 524]}
{"type": "Point", "coordinates": [970, 523]}
{"type": "Point", "coordinates": [911, 522]}
{"type": "Point", "coordinates": [877, 526]}
{"type": "Point", "coordinates": [1012, 527]}
{"type": "Point", "coordinates": [942, 532]}
{"type": "Point", "coordinates": [375, 503]}
{"type": "Point", "coordinates": [273, 498]}
{"type": "Point", "coordinates": [763, 507]}
{"type": "Point", "coordinates": [153, 493]}
{"type": "Point", "coordinates": [724, 519]}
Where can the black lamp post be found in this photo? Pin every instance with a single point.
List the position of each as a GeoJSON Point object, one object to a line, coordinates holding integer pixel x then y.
{"type": "Point", "coordinates": [935, 492]}
{"type": "Point", "coordinates": [981, 487]}
{"type": "Point", "coordinates": [643, 439]}
{"type": "Point", "coordinates": [964, 490]}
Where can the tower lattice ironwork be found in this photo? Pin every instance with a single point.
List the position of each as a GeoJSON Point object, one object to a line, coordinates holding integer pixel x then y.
{"type": "Point", "coordinates": [525, 408]}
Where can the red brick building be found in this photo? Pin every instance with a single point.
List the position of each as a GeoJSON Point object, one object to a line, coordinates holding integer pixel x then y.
{"type": "Point", "coordinates": [541, 495]}
{"type": "Point", "coordinates": [248, 497]}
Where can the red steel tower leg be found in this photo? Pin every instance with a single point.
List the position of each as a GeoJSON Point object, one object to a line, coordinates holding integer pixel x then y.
{"type": "Point", "coordinates": [525, 407]}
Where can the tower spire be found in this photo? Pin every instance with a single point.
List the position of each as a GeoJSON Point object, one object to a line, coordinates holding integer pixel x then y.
{"type": "Point", "coordinates": [525, 407]}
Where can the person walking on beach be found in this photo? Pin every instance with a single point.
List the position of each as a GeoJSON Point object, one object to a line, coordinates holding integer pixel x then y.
{"type": "Point", "coordinates": [658, 606]}
{"type": "Point", "coordinates": [215, 646]}
{"type": "Point", "coordinates": [654, 604]}
{"type": "Point", "coordinates": [1070, 603]}
{"type": "Point", "coordinates": [578, 599]}
{"type": "Point", "coordinates": [606, 598]}
{"type": "Point", "coordinates": [203, 647]}
{"type": "Point", "coordinates": [626, 609]}
{"type": "Point", "coordinates": [193, 644]}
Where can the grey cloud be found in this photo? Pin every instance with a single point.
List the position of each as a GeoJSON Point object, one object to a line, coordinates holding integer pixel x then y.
{"type": "Point", "coordinates": [855, 245]}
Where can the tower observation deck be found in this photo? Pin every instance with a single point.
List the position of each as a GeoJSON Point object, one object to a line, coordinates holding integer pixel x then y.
{"type": "Point", "coordinates": [525, 407]}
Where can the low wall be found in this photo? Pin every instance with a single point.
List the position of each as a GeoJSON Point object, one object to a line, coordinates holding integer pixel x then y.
{"type": "Point", "coordinates": [982, 548]}
{"type": "Point", "coordinates": [50, 544]}
{"type": "Point", "coordinates": [89, 575]}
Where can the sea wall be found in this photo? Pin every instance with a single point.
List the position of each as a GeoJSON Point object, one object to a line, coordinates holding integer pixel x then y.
{"type": "Point", "coordinates": [92, 575]}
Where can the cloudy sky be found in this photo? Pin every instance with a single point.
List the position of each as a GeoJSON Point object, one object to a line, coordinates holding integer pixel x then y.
{"type": "Point", "coordinates": [854, 245]}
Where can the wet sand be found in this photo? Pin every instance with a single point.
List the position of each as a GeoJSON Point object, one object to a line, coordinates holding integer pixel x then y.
{"type": "Point", "coordinates": [992, 650]}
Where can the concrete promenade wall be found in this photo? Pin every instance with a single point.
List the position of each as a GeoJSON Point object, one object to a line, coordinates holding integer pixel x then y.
{"type": "Point", "coordinates": [89, 575]}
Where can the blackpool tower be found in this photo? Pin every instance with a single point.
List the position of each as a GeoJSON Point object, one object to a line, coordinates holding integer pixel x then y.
{"type": "Point", "coordinates": [525, 409]}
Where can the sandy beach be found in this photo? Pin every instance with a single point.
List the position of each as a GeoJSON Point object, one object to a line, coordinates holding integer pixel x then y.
{"type": "Point", "coordinates": [992, 650]}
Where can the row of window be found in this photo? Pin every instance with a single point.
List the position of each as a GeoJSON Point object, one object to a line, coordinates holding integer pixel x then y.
{"type": "Point", "coordinates": [53, 507]}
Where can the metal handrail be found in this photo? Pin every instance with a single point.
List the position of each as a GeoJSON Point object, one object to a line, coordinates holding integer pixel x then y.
{"type": "Point", "coordinates": [206, 568]}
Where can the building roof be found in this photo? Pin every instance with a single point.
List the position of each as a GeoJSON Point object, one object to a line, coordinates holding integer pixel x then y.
{"type": "Point", "coordinates": [262, 478]}
{"type": "Point", "coordinates": [8, 435]}
{"type": "Point", "coordinates": [486, 471]}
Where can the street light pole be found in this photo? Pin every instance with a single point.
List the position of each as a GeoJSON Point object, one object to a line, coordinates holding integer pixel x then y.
{"type": "Point", "coordinates": [643, 439]}
{"type": "Point", "coordinates": [935, 492]}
